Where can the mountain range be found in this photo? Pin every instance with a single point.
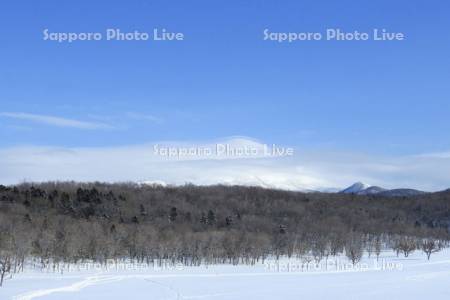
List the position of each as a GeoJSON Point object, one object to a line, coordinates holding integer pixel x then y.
{"type": "Point", "coordinates": [357, 188]}
{"type": "Point", "coordinates": [360, 188]}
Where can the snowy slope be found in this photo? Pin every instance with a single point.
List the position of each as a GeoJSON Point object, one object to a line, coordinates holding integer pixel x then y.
{"type": "Point", "coordinates": [355, 188]}
{"type": "Point", "coordinates": [392, 278]}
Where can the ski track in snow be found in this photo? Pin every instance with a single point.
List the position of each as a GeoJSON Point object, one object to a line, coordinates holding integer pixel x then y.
{"type": "Point", "coordinates": [105, 279]}
{"type": "Point", "coordinates": [101, 279]}
{"type": "Point", "coordinates": [75, 287]}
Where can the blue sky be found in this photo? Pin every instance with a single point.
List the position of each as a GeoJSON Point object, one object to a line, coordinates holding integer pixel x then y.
{"type": "Point", "coordinates": [374, 98]}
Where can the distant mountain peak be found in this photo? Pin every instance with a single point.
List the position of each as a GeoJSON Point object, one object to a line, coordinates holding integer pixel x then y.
{"type": "Point", "coordinates": [372, 190]}
{"type": "Point", "coordinates": [355, 188]}
{"type": "Point", "coordinates": [360, 188]}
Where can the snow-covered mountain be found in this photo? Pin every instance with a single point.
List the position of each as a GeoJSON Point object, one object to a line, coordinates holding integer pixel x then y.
{"type": "Point", "coordinates": [355, 188]}
{"type": "Point", "coordinates": [401, 193]}
{"type": "Point", "coordinates": [372, 190]}
{"type": "Point", "coordinates": [360, 188]}
{"type": "Point", "coordinates": [329, 190]}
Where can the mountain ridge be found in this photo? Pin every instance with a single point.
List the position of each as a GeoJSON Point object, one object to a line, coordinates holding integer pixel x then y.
{"type": "Point", "coordinates": [360, 188]}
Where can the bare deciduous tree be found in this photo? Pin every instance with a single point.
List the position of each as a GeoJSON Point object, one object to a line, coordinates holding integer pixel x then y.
{"type": "Point", "coordinates": [430, 246]}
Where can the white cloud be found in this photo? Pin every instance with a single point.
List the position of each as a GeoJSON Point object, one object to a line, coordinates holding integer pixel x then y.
{"type": "Point", "coordinates": [435, 155]}
{"type": "Point", "coordinates": [55, 121]}
{"type": "Point", "coordinates": [144, 117]}
{"type": "Point", "coordinates": [304, 170]}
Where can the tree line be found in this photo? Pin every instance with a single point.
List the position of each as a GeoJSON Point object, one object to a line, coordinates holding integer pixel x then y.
{"type": "Point", "coordinates": [69, 222]}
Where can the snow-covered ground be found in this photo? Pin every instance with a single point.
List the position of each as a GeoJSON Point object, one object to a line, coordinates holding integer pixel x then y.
{"type": "Point", "coordinates": [391, 278]}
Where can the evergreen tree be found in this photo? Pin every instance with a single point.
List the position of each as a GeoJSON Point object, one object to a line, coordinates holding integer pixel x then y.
{"type": "Point", "coordinates": [211, 217]}
{"type": "Point", "coordinates": [143, 211]}
{"type": "Point", "coordinates": [173, 214]}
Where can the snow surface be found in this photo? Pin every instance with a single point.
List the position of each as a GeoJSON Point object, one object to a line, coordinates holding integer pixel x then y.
{"type": "Point", "coordinates": [392, 278]}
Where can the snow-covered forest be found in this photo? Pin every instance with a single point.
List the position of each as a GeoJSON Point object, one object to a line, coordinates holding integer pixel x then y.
{"type": "Point", "coordinates": [54, 225]}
